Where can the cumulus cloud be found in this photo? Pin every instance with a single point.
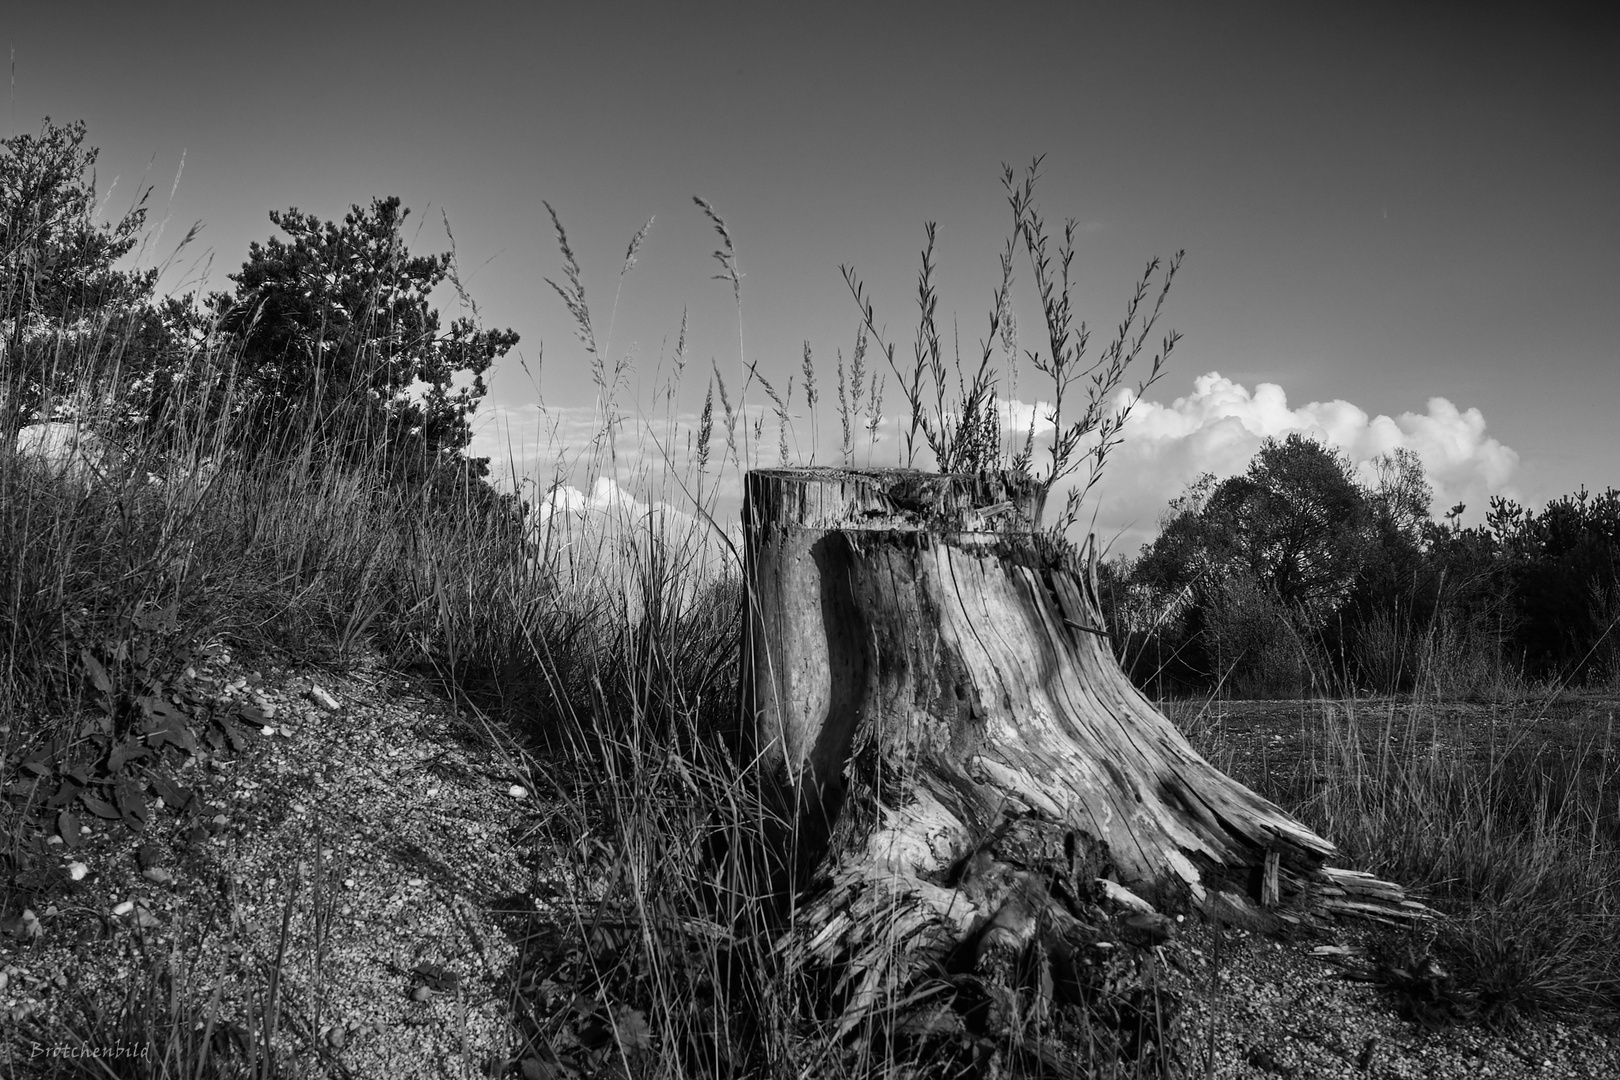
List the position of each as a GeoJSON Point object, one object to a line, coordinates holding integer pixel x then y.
{"type": "Point", "coordinates": [1220, 425]}
{"type": "Point", "coordinates": [648, 467]}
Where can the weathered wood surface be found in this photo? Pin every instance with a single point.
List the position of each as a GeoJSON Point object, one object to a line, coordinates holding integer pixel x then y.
{"type": "Point", "coordinates": [935, 704]}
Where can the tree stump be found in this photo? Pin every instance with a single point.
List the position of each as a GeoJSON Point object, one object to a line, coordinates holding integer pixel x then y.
{"type": "Point", "coordinates": [972, 781]}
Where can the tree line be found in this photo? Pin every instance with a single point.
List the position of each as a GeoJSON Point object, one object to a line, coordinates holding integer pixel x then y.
{"type": "Point", "coordinates": [1297, 577]}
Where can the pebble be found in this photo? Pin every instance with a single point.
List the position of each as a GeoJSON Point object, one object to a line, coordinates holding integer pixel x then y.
{"type": "Point", "coordinates": [77, 870]}
{"type": "Point", "coordinates": [518, 791]}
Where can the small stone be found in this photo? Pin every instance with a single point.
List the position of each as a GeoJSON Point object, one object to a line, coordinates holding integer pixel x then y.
{"type": "Point", "coordinates": [124, 908]}
{"type": "Point", "coordinates": [53, 839]}
{"type": "Point", "coordinates": [337, 1037]}
{"type": "Point", "coordinates": [297, 808]}
{"type": "Point", "coordinates": [348, 883]}
{"type": "Point", "coordinates": [157, 875]}
{"type": "Point", "coordinates": [267, 730]}
{"type": "Point", "coordinates": [432, 791]}
{"type": "Point", "coordinates": [286, 731]}
{"type": "Point", "coordinates": [422, 993]}
{"type": "Point", "coordinates": [518, 791]}
{"type": "Point", "coordinates": [25, 927]}
{"type": "Point", "coordinates": [76, 870]}
{"type": "Point", "coordinates": [416, 883]}
{"type": "Point", "coordinates": [84, 830]}
{"type": "Point", "coordinates": [323, 699]}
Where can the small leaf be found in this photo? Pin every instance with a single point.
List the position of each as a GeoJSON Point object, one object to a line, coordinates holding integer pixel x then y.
{"type": "Point", "coordinates": [117, 756]}
{"type": "Point", "coordinates": [38, 765]}
{"type": "Point", "coordinates": [174, 796]}
{"type": "Point", "coordinates": [155, 707]}
{"type": "Point", "coordinates": [441, 979]}
{"type": "Point", "coordinates": [632, 1030]}
{"type": "Point", "coordinates": [65, 794]}
{"type": "Point", "coordinates": [99, 807]}
{"type": "Point", "coordinates": [67, 827]}
{"type": "Point", "coordinates": [98, 674]}
{"type": "Point", "coordinates": [131, 804]}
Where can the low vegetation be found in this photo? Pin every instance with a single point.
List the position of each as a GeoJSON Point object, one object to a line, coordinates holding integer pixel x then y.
{"type": "Point", "coordinates": [286, 482]}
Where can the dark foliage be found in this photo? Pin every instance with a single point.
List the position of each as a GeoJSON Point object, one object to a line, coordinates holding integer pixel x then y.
{"type": "Point", "coordinates": [1296, 578]}
{"type": "Point", "coordinates": [342, 351]}
{"type": "Point", "coordinates": [59, 290]}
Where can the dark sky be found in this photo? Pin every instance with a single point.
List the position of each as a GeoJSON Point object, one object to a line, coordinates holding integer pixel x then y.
{"type": "Point", "coordinates": [1381, 204]}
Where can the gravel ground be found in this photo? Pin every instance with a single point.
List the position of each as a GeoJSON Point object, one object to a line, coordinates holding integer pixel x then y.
{"type": "Point", "coordinates": [404, 842]}
{"type": "Point", "coordinates": [1278, 1011]}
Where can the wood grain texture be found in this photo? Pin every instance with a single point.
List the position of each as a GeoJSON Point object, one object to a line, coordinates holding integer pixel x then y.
{"type": "Point", "coordinates": [935, 703]}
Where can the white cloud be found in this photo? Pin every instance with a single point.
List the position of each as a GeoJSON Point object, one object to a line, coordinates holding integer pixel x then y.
{"type": "Point", "coordinates": [1217, 428]}
{"type": "Point", "coordinates": [1220, 425]}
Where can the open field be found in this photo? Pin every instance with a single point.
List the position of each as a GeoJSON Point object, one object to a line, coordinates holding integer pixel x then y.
{"type": "Point", "coordinates": [1504, 814]}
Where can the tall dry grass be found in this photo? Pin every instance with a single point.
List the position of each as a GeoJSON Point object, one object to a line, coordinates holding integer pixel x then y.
{"type": "Point", "coordinates": [1505, 816]}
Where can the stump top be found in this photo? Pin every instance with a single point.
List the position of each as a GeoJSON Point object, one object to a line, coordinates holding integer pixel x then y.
{"type": "Point", "coordinates": [840, 498]}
